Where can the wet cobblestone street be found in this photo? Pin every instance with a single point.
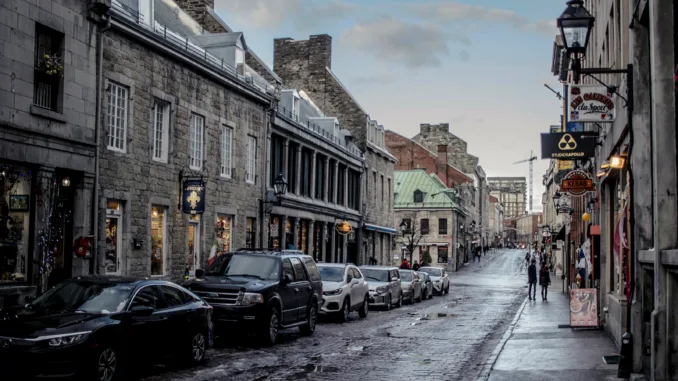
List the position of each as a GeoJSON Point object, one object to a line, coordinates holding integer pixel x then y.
{"type": "Point", "coordinates": [446, 338]}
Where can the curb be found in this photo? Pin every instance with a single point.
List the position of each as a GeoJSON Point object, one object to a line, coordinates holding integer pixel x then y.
{"type": "Point", "coordinates": [492, 359]}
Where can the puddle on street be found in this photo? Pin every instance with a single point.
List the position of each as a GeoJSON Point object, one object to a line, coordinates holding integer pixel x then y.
{"type": "Point", "coordinates": [356, 348]}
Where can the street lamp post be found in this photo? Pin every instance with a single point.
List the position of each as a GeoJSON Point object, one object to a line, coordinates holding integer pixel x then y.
{"type": "Point", "coordinates": [279, 190]}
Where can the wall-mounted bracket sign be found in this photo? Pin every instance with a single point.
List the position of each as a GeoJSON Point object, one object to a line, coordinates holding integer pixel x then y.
{"type": "Point", "coordinates": [344, 228]}
{"type": "Point", "coordinates": [193, 196]}
{"type": "Point", "coordinates": [577, 183]}
{"type": "Point", "coordinates": [590, 103]}
{"type": "Point", "coordinates": [568, 146]}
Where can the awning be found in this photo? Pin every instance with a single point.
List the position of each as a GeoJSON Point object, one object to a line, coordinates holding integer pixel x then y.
{"type": "Point", "coordinates": [381, 229]}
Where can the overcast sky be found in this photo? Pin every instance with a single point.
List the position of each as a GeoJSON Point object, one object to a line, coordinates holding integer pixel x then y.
{"type": "Point", "coordinates": [480, 65]}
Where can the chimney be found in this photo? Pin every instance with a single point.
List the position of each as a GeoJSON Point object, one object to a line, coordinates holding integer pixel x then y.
{"type": "Point", "coordinates": [441, 163]}
{"type": "Point", "coordinates": [197, 9]}
{"type": "Point", "coordinates": [302, 63]}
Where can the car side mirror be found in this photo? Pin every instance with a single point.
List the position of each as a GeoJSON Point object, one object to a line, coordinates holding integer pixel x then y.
{"type": "Point", "coordinates": [349, 279]}
{"type": "Point", "coordinates": [199, 273]}
{"type": "Point", "coordinates": [287, 279]}
{"type": "Point", "coordinates": [142, 310]}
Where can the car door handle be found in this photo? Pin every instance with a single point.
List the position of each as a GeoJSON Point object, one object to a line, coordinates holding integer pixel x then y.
{"type": "Point", "coordinates": [296, 290]}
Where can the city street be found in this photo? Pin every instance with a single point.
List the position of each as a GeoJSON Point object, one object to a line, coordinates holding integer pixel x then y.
{"type": "Point", "coordinates": [446, 338]}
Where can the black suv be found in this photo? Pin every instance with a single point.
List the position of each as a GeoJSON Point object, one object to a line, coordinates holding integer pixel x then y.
{"type": "Point", "coordinates": [261, 291]}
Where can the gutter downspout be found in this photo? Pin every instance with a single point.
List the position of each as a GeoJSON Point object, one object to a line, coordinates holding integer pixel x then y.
{"type": "Point", "coordinates": [95, 261]}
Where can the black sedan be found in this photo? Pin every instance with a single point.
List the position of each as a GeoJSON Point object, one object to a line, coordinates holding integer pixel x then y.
{"type": "Point", "coordinates": [95, 327]}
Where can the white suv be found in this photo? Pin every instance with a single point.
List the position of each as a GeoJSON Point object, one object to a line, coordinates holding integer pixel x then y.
{"type": "Point", "coordinates": [344, 290]}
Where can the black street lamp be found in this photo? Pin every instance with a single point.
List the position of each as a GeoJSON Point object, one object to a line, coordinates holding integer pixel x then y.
{"type": "Point", "coordinates": [575, 26]}
{"type": "Point", "coordinates": [280, 187]}
{"type": "Point", "coordinates": [556, 198]}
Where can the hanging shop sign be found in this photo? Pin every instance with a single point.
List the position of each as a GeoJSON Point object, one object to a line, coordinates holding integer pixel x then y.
{"type": "Point", "coordinates": [577, 183]}
{"type": "Point", "coordinates": [193, 196]}
{"type": "Point", "coordinates": [565, 165]}
{"type": "Point", "coordinates": [344, 228]}
{"type": "Point", "coordinates": [555, 128]}
{"type": "Point", "coordinates": [590, 103]}
{"type": "Point", "coordinates": [583, 307]}
{"type": "Point", "coordinates": [568, 146]}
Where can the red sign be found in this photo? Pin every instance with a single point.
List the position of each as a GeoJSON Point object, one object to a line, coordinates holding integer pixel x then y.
{"type": "Point", "coordinates": [577, 183]}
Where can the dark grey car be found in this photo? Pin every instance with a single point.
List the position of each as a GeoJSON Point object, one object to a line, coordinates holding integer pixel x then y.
{"type": "Point", "coordinates": [426, 285]}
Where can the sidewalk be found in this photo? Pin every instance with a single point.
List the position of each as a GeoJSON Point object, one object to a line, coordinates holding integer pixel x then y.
{"type": "Point", "coordinates": [534, 348]}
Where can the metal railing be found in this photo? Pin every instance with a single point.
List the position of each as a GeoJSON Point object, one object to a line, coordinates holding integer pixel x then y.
{"type": "Point", "coordinates": [317, 130]}
{"type": "Point", "coordinates": [182, 43]}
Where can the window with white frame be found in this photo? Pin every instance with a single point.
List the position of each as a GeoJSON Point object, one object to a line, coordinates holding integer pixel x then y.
{"type": "Point", "coordinates": [226, 151]}
{"type": "Point", "coordinates": [250, 175]}
{"type": "Point", "coordinates": [196, 141]}
{"type": "Point", "coordinates": [160, 131]}
{"type": "Point", "coordinates": [118, 105]}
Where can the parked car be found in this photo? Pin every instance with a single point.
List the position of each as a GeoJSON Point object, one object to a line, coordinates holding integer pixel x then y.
{"type": "Point", "coordinates": [426, 285]}
{"type": "Point", "coordinates": [384, 285]}
{"type": "Point", "coordinates": [411, 285]}
{"type": "Point", "coordinates": [441, 283]}
{"type": "Point", "coordinates": [261, 292]}
{"type": "Point", "coordinates": [344, 290]}
{"type": "Point", "coordinates": [97, 327]}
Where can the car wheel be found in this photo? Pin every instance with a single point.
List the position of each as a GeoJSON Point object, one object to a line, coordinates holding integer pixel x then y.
{"type": "Point", "coordinates": [430, 296]}
{"type": "Point", "coordinates": [420, 297]}
{"type": "Point", "coordinates": [308, 328]}
{"type": "Point", "coordinates": [365, 307]}
{"type": "Point", "coordinates": [345, 310]}
{"type": "Point", "coordinates": [400, 301]}
{"type": "Point", "coordinates": [388, 303]}
{"type": "Point", "coordinates": [269, 332]}
{"type": "Point", "coordinates": [197, 349]}
{"type": "Point", "coordinates": [107, 364]}
{"type": "Point", "coordinates": [447, 289]}
{"type": "Point", "coordinates": [412, 298]}
{"type": "Point", "coordinates": [424, 294]}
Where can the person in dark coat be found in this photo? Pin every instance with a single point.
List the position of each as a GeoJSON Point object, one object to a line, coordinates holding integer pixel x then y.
{"type": "Point", "coordinates": [415, 266]}
{"type": "Point", "coordinates": [532, 280]}
{"type": "Point", "coordinates": [544, 281]}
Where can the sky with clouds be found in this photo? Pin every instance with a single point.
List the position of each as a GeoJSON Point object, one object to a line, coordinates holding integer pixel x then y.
{"type": "Point", "coordinates": [480, 65]}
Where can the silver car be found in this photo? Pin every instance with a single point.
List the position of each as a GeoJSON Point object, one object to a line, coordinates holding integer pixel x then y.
{"type": "Point", "coordinates": [384, 284]}
{"type": "Point", "coordinates": [441, 283]}
{"type": "Point", "coordinates": [411, 285]}
{"type": "Point", "coordinates": [426, 285]}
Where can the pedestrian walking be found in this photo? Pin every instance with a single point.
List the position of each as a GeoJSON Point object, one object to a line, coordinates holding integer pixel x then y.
{"type": "Point", "coordinates": [415, 266]}
{"type": "Point", "coordinates": [532, 280]}
{"type": "Point", "coordinates": [527, 260]}
{"type": "Point", "coordinates": [405, 265]}
{"type": "Point", "coordinates": [544, 281]}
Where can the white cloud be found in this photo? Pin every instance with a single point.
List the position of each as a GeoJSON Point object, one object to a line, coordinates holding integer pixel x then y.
{"type": "Point", "coordinates": [396, 41]}
{"type": "Point", "coordinates": [464, 55]}
{"type": "Point", "coordinates": [259, 13]}
{"type": "Point", "coordinates": [547, 27]}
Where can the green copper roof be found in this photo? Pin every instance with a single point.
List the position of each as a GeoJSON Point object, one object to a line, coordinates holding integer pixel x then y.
{"type": "Point", "coordinates": [417, 180]}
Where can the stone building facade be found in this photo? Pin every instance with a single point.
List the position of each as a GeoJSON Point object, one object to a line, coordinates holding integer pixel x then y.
{"type": "Point", "coordinates": [170, 115]}
{"type": "Point", "coordinates": [511, 192]}
{"type": "Point", "coordinates": [307, 65]}
{"type": "Point", "coordinates": [47, 142]}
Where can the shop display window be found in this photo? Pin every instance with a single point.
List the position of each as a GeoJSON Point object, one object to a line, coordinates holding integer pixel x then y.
{"type": "Point", "coordinates": [193, 259]}
{"type": "Point", "coordinates": [224, 228]}
{"type": "Point", "coordinates": [113, 237]}
{"type": "Point", "coordinates": [158, 240]}
{"type": "Point", "coordinates": [15, 205]}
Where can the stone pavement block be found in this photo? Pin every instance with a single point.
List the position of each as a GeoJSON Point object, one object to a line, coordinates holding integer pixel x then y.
{"type": "Point", "coordinates": [551, 375]}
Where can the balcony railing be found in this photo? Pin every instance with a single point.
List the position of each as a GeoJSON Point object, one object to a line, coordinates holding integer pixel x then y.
{"type": "Point", "coordinates": [317, 130]}
{"type": "Point", "coordinates": [182, 43]}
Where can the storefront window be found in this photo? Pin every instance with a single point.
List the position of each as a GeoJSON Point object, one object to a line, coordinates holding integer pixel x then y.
{"type": "Point", "coordinates": [193, 259]}
{"type": "Point", "coordinates": [250, 232]}
{"type": "Point", "coordinates": [274, 232]}
{"type": "Point", "coordinates": [304, 236]}
{"type": "Point", "coordinates": [442, 254]}
{"type": "Point", "coordinates": [224, 224]}
{"type": "Point", "coordinates": [15, 186]}
{"type": "Point", "coordinates": [113, 237]}
{"type": "Point", "coordinates": [158, 240]}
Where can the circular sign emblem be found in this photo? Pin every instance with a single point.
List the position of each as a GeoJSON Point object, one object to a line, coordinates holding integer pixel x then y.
{"type": "Point", "coordinates": [577, 183]}
{"type": "Point", "coordinates": [344, 228]}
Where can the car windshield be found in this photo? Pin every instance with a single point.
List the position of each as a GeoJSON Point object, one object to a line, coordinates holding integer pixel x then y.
{"type": "Point", "coordinates": [84, 296]}
{"type": "Point", "coordinates": [331, 273]}
{"type": "Point", "coordinates": [406, 276]}
{"type": "Point", "coordinates": [375, 275]}
{"type": "Point", "coordinates": [432, 271]}
{"type": "Point", "coordinates": [253, 266]}
{"type": "Point", "coordinates": [219, 265]}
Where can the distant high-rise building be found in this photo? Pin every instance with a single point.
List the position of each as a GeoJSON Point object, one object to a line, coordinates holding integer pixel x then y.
{"type": "Point", "coordinates": [511, 192]}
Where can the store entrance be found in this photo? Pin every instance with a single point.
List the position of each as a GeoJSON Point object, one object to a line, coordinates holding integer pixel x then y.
{"type": "Point", "coordinates": [62, 235]}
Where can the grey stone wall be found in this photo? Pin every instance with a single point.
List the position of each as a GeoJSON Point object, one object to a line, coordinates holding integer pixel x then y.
{"type": "Point", "coordinates": [430, 136]}
{"type": "Point", "coordinates": [139, 181]}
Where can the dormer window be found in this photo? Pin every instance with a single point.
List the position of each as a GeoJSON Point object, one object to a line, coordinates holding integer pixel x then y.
{"type": "Point", "coordinates": [146, 12]}
{"type": "Point", "coordinates": [239, 56]}
{"type": "Point", "coordinates": [418, 196]}
{"type": "Point", "coordinates": [296, 102]}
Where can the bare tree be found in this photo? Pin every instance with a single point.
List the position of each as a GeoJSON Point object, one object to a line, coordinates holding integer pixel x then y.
{"type": "Point", "coordinates": [411, 233]}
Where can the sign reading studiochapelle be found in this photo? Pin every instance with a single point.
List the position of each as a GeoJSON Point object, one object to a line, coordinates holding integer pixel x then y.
{"type": "Point", "coordinates": [590, 103]}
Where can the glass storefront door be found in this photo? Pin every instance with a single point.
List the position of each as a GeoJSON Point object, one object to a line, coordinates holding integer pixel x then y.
{"type": "Point", "coordinates": [113, 237]}
{"type": "Point", "coordinates": [193, 258]}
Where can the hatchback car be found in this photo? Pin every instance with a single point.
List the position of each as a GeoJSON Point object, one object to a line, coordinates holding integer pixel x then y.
{"type": "Point", "coordinates": [261, 292]}
{"type": "Point", "coordinates": [91, 327]}
{"type": "Point", "coordinates": [344, 290]}
{"type": "Point", "coordinates": [426, 285]}
{"type": "Point", "coordinates": [384, 285]}
{"type": "Point", "coordinates": [441, 283]}
{"type": "Point", "coordinates": [411, 285]}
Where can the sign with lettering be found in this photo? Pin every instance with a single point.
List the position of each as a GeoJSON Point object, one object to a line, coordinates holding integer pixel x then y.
{"type": "Point", "coordinates": [568, 146]}
{"type": "Point", "coordinates": [577, 183]}
{"type": "Point", "coordinates": [583, 307]}
{"type": "Point", "coordinates": [590, 103]}
{"type": "Point", "coordinates": [193, 196]}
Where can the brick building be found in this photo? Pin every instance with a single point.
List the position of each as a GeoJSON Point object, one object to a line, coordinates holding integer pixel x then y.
{"type": "Point", "coordinates": [47, 142]}
{"type": "Point", "coordinates": [307, 65]}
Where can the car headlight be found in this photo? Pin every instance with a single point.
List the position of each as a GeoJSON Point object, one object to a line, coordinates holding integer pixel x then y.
{"type": "Point", "coordinates": [249, 298]}
{"type": "Point", "coordinates": [334, 292]}
{"type": "Point", "coordinates": [381, 289]}
{"type": "Point", "coordinates": [67, 339]}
